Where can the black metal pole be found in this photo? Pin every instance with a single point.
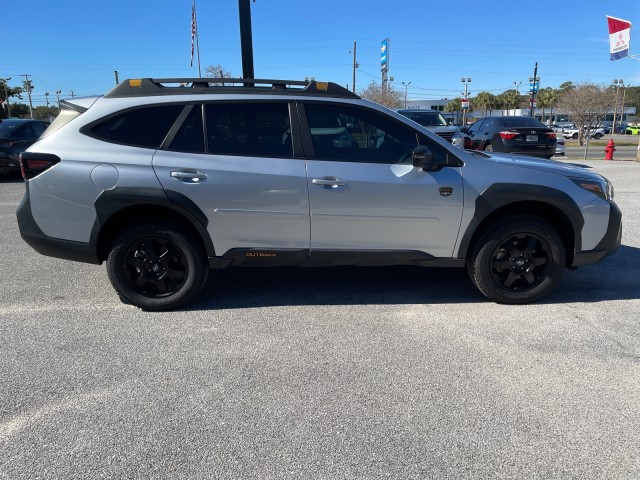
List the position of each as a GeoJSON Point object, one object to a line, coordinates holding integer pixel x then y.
{"type": "Point", "coordinates": [246, 42]}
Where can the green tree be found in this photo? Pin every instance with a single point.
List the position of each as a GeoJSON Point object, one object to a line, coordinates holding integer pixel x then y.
{"type": "Point", "coordinates": [8, 91]}
{"type": "Point", "coordinates": [19, 110]}
{"type": "Point", "coordinates": [485, 101]}
{"type": "Point", "coordinates": [509, 99]}
{"type": "Point", "coordinates": [44, 113]}
{"type": "Point", "coordinates": [548, 98]}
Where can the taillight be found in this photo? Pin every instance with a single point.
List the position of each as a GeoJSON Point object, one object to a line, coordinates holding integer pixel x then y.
{"type": "Point", "coordinates": [509, 135]}
{"type": "Point", "coordinates": [468, 144]}
{"type": "Point", "coordinates": [32, 163]}
{"type": "Point", "coordinates": [552, 135]}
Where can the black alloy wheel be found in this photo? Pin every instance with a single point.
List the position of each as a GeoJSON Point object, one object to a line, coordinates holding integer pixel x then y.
{"type": "Point", "coordinates": [517, 260]}
{"type": "Point", "coordinates": [155, 266]}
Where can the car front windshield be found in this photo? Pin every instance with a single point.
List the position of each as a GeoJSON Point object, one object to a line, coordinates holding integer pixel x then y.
{"type": "Point", "coordinates": [427, 119]}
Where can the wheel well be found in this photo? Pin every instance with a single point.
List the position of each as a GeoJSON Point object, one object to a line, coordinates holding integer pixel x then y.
{"type": "Point", "coordinates": [129, 216]}
{"type": "Point", "coordinates": [547, 212]}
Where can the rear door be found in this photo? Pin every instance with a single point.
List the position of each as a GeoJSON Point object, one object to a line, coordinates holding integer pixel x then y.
{"type": "Point", "coordinates": [364, 193]}
{"type": "Point", "coordinates": [242, 174]}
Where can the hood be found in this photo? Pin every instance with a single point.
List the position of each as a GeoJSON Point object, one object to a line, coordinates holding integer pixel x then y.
{"type": "Point", "coordinates": [552, 166]}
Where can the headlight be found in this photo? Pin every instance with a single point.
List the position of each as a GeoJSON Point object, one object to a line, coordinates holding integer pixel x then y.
{"type": "Point", "coordinates": [602, 188]}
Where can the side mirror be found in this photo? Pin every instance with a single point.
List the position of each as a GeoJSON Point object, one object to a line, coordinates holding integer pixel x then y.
{"type": "Point", "coordinates": [423, 158]}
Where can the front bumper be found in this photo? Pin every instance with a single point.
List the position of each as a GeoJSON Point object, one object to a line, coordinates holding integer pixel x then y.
{"type": "Point", "coordinates": [609, 243]}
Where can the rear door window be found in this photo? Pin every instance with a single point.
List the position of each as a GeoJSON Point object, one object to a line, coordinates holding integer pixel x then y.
{"type": "Point", "coordinates": [249, 129]}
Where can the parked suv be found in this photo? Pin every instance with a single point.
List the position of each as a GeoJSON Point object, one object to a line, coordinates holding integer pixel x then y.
{"type": "Point", "coordinates": [431, 120]}
{"type": "Point", "coordinates": [163, 179]}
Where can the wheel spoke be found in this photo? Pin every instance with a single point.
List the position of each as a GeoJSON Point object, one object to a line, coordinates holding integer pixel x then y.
{"type": "Point", "coordinates": [529, 277]}
{"type": "Point", "coordinates": [512, 248]}
{"type": "Point", "coordinates": [136, 263]}
{"type": "Point", "coordinates": [536, 262]}
{"type": "Point", "coordinates": [511, 279]}
{"type": "Point", "coordinates": [502, 264]}
{"type": "Point", "coordinates": [161, 285]}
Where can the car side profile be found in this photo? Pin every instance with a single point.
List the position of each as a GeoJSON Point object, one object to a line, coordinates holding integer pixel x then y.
{"type": "Point", "coordinates": [16, 135]}
{"type": "Point", "coordinates": [512, 134]}
{"type": "Point", "coordinates": [166, 179]}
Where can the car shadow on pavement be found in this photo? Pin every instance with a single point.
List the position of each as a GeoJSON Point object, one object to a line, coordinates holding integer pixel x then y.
{"type": "Point", "coordinates": [615, 278]}
{"type": "Point", "coordinates": [13, 177]}
{"type": "Point", "coordinates": [261, 287]}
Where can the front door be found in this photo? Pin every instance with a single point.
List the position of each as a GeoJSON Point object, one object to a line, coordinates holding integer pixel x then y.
{"type": "Point", "coordinates": [365, 194]}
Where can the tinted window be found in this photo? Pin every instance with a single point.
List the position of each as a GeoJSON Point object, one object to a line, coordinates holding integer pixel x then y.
{"type": "Point", "coordinates": [476, 126]}
{"type": "Point", "coordinates": [39, 128]}
{"type": "Point", "coordinates": [256, 129]}
{"type": "Point", "coordinates": [354, 135]}
{"type": "Point", "coordinates": [190, 136]}
{"type": "Point", "coordinates": [521, 122]}
{"type": "Point", "coordinates": [143, 127]}
{"type": "Point", "coordinates": [426, 119]}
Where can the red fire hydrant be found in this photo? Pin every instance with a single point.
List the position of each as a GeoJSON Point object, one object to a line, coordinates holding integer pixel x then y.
{"type": "Point", "coordinates": [609, 149]}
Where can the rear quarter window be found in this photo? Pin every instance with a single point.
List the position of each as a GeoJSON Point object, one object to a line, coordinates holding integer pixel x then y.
{"type": "Point", "coordinates": [141, 127]}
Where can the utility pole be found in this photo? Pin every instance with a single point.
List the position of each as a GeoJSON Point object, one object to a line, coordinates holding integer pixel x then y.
{"type": "Point", "coordinates": [355, 65]}
{"type": "Point", "coordinates": [115, 72]}
{"type": "Point", "coordinates": [246, 42]}
{"type": "Point", "coordinates": [6, 95]}
{"type": "Point", "coordinates": [406, 87]}
{"type": "Point", "coordinates": [28, 84]}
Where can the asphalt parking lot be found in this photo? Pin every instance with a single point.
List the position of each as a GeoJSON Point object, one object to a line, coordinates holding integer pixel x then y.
{"type": "Point", "coordinates": [321, 374]}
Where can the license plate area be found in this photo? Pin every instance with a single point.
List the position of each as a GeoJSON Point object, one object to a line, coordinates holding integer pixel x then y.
{"type": "Point", "coordinates": [532, 138]}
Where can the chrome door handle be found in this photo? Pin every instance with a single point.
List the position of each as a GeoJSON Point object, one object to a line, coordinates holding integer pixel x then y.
{"type": "Point", "coordinates": [331, 182]}
{"type": "Point", "coordinates": [189, 176]}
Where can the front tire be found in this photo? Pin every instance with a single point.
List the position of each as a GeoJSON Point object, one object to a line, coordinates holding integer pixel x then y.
{"type": "Point", "coordinates": [157, 266]}
{"type": "Point", "coordinates": [517, 260]}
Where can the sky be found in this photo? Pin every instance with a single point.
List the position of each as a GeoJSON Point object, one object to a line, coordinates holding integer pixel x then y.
{"type": "Point", "coordinates": [76, 45]}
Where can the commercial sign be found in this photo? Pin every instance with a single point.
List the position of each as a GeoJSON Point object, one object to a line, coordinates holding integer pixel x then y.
{"type": "Point", "coordinates": [384, 55]}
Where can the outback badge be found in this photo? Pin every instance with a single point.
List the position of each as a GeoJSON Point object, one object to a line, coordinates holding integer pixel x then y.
{"type": "Point", "coordinates": [446, 191]}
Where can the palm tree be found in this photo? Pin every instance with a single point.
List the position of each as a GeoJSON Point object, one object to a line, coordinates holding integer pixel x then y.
{"type": "Point", "coordinates": [548, 97]}
{"type": "Point", "coordinates": [485, 101]}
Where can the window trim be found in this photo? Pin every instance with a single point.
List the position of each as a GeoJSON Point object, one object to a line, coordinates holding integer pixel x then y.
{"type": "Point", "coordinates": [421, 139]}
{"type": "Point", "coordinates": [88, 128]}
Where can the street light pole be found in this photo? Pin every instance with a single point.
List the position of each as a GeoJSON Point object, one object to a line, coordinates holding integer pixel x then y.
{"type": "Point", "coordinates": [58, 92]}
{"type": "Point", "coordinates": [406, 86]}
{"type": "Point", "coordinates": [466, 81]}
{"type": "Point", "coordinates": [46, 97]}
{"type": "Point", "coordinates": [616, 84]}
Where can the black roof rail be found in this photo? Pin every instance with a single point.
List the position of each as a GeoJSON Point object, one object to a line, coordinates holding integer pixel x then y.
{"type": "Point", "coordinates": [186, 86]}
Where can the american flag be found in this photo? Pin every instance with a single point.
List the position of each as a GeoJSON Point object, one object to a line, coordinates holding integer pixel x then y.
{"type": "Point", "coordinates": [193, 29]}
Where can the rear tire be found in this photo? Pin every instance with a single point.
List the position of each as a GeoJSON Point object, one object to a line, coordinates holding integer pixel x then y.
{"type": "Point", "coordinates": [517, 260]}
{"type": "Point", "coordinates": [157, 266]}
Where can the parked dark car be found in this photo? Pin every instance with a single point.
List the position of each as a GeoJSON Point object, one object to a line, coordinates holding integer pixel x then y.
{"type": "Point", "coordinates": [16, 135]}
{"type": "Point", "coordinates": [520, 135]}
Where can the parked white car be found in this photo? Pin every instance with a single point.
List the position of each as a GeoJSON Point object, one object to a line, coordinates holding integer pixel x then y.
{"type": "Point", "coordinates": [596, 133]}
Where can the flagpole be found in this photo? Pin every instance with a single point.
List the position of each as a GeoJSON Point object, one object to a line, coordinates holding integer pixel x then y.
{"type": "Point", "coordinates": [194, 37]}
{"type": "Point", "coordinates": [197, 39]}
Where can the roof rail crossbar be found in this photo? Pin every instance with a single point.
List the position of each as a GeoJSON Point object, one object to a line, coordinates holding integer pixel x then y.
{"type": "Point", "coordinates": [184, 86]}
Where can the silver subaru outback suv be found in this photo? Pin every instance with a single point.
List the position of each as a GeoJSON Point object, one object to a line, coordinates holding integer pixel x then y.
{"type": "Point", "coordinates": [165, 179]}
